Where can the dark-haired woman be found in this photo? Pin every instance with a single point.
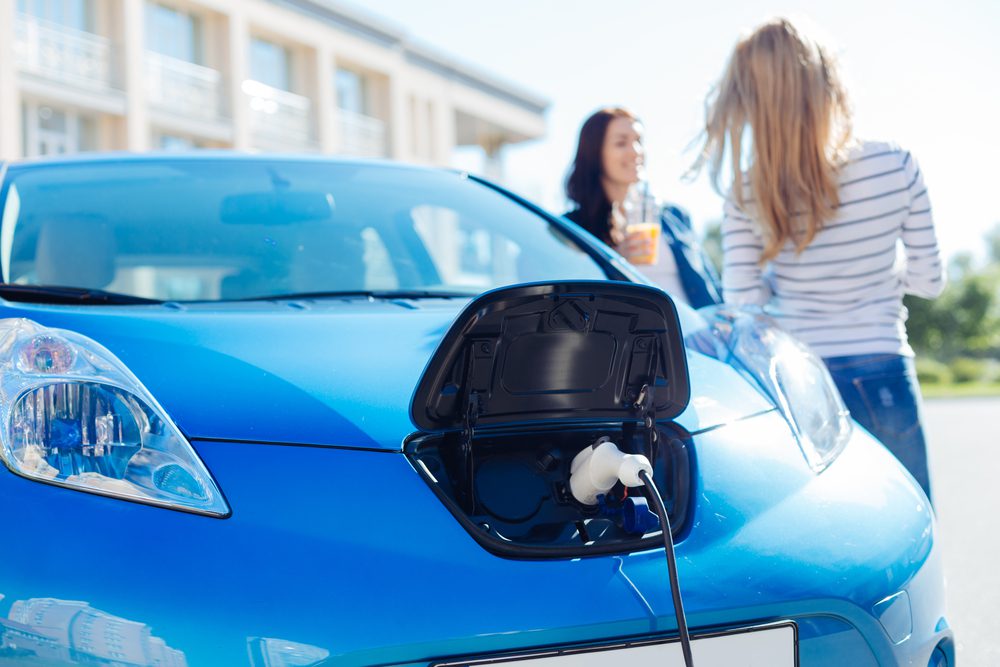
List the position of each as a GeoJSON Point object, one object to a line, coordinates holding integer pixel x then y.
{"type": "Point", "coordinates": [608, 163]}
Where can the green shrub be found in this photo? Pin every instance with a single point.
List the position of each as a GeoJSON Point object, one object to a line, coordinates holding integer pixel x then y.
{"type": "Point", "coordinates": [967, 369]}
{"type": "Point", "coordinates": [932, 371]}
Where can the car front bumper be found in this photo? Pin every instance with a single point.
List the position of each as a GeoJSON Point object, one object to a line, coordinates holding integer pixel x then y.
{"type": "Point", "coordinates": [347, 556]}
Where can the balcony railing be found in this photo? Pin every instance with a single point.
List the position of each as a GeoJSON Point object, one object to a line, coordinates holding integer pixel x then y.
{"type": "Point", "coordinates": [183, 88]}
{"type": "Point", "coordinates": [362, 135]}
{"type": "Point", "coordinates": [279, 118]}
{"type": "Point", "coordinates": [61, 53]}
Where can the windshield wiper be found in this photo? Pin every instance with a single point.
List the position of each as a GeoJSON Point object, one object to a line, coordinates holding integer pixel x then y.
{"type": "Point", "coordinates": [61, 294]}
{"type": "Point", "coordinates": [374, 294]}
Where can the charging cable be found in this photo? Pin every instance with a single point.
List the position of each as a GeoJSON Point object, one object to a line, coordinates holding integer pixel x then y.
{"type": "Point", "coordinates": [594, 471]}
{"type": "Point", "coordinates": [668, 545]}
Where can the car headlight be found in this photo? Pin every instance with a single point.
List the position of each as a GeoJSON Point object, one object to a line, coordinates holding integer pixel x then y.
{"type": "Point", "coordinates": [72, 414]}
{"type": "Point", "coordinates": [794, 378]}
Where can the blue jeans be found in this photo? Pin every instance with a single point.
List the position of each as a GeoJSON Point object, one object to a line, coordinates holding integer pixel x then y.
{"type": "Point", "coordinates": [882, 394]}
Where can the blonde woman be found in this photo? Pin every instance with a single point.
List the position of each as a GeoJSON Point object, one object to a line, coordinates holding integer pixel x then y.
{"type": "Point", "coordinates": [813, 222]}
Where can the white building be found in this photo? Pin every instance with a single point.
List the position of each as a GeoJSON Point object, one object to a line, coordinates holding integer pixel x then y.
{"type": "Point", "coordinates": [286, 75]}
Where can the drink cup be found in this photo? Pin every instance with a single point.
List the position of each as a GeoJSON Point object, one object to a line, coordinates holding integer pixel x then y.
{"type": "Point", "coordinates": [644, 238]}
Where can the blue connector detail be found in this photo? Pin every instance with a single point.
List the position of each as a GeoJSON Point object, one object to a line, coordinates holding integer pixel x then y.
{"type": "Point", "coordinates": [634, 515]}
{"type": "Point", "coordinates": [637, 518]}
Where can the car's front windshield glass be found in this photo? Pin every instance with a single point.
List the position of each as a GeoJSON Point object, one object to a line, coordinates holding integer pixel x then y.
{"type": "Point", "coordinates": [217, 229]}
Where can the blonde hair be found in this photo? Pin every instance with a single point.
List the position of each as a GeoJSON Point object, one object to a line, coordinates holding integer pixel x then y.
{"type": "Point", "coordinates": [786, 89]}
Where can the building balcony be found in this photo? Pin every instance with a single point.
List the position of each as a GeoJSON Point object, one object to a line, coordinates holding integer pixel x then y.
{"type": "Point", "coordinates": [183, 88]}
{"type": "Point", "coordinates": [279, 120]}
{"type": "Point", "coordinates": [361, 135]}
{"type": "Point", "coordinates": [62, 54]}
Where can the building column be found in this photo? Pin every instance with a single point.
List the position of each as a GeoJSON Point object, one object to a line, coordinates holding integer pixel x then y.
{"type": "Point", "coordinates": [137, 129]}
{"type": "Point", "coordinates": [399, 118]}
{"type": "Point", "coordinates": [493, 160]}
{"type": "Point", "coordinates": [326, 101]}
{"type": "Point", "coordinates": [445, 133]}
{"type": "Point", "coordinates": [239, 71]}
{"type": "Point", "coordinates": [10, 94]}
{"type": "Point", "coordinates": [420, 129]}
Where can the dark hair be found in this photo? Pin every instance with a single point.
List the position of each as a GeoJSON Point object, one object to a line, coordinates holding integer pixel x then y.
{"type": "Point", "coordinates": [583, 185]}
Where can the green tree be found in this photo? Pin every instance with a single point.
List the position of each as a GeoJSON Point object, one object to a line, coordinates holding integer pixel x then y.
{"type": "Point", "coordinates": [963, 320]}
{"type": "Point", "coordinates": [712, 243]}
{"type": "Point", "coordinates": [961, 265]}
{"type": "Point", "coordinates": [993, 244]}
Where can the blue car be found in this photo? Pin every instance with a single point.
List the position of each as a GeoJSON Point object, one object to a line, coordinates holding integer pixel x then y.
{"type": "Point", "coordinates": [263, 410]}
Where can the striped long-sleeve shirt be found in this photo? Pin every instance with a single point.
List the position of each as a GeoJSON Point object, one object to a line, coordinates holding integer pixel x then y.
{"type": "Point", "coordinates": [843, 294]}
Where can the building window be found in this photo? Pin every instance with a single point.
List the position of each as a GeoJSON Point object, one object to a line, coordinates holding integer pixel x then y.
{"type": "Point", "coordinates": [173, 142]}
{"type": "Point", "coordinates": [352, 91]}
{"type": "Point", "coordinates": [54, 131]}
{"type": "Point", "coordinates": [270, 64]}
{"type": "Point", "coordinates": [173, 33]}
{"type": "Point", "coordinates": [70, 13]}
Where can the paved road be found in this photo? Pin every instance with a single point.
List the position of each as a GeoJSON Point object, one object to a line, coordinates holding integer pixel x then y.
{"type": "Point", "coordinates": [964, 442]}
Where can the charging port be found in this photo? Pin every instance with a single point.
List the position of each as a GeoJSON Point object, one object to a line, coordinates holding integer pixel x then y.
{"type": "Point", "coordinates": [516, 501]}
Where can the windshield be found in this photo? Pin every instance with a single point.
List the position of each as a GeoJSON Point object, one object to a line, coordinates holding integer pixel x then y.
{"type": "Point", "coordinates": [190, 229]}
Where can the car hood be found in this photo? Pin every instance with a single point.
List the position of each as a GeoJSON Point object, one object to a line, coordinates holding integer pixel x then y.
{"type": "Point", "coordinates": [328, 373]}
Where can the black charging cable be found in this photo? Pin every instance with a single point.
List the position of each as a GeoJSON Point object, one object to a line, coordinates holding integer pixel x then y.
{"type": "Point", "coordinates": [653, 494]}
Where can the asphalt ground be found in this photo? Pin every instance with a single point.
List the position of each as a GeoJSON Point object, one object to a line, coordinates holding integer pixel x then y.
{"type": "Point", "coordinates": [964, 443]}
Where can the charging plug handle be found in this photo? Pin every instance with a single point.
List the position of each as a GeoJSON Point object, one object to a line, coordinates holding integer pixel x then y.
{"type": "Point", "coordinates": [602, 465]}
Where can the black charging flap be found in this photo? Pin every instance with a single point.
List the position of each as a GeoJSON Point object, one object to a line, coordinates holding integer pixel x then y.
{"type": "Point", "coordinates": [556, 351]}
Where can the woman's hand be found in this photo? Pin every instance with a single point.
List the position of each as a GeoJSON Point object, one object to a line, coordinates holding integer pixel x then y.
{"type": "Point", "coordinates": [640, 245]}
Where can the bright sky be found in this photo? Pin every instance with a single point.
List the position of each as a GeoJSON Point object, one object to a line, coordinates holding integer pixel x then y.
{"type": "Point", "coordinates": [922, 73]}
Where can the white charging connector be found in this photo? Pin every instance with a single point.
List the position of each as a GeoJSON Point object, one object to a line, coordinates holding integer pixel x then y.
{"type": "Point", "coordinates": [594, 471]}
{"type": "Point", "coordinates": [599, 467]}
